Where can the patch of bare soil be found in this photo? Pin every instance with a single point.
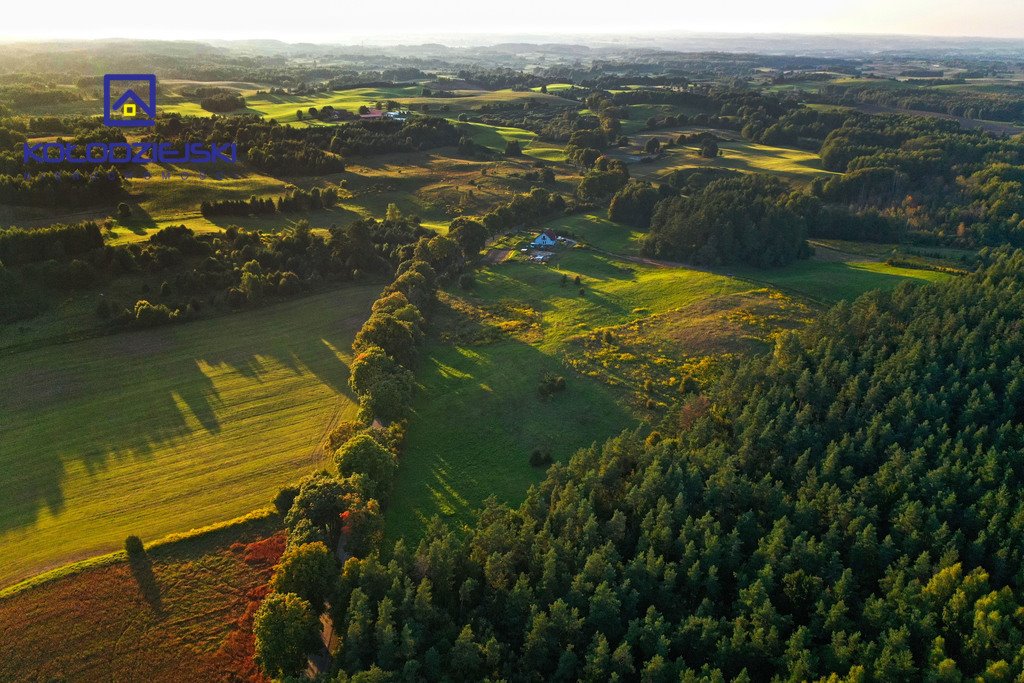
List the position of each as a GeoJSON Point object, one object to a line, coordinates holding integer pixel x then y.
{"type": "Point", "coordinates": [497, 255]}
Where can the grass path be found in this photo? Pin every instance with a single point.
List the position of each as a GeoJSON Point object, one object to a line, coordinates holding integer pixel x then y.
{"type": "Point", "coordinates": [159, 431]}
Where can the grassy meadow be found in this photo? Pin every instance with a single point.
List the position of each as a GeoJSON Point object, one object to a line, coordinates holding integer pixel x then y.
{"type": "Point", "coordinates": [624, 347]}
{"type": "Point", "coordinates": [830, 281]}
{"type": "Point", "coordinates": [154, 432]}
{"type": "Point", "coordinates": [282, 108]}
{"type": "Point", "coordinates": [496, 137]}
{"type": "Point", "coordinates": [796, 165]}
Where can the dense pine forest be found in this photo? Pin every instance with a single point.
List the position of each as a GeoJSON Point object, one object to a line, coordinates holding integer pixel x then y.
{"type": "Point", "coordinates": [846, 505]}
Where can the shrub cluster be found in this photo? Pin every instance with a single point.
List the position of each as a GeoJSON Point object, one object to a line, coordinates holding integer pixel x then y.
{"type": "Point", "coordinates": [523, 209]}
{"type": "Point", "coordinates": [551, 384]}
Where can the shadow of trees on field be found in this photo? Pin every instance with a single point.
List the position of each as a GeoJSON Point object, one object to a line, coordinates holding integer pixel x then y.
{"type": "Point", "coordinates": [97, 402]}
{"type": "Point", "coordinates": [824, 282]}
{"type": "Point", "coordinates": [142, 570]}
{"type": "Point", "coordinates": [323, 218]}
{"type": "Point", "coordinates": [479, 415]}
{"type": "Point", "coordinates": [139, 221]}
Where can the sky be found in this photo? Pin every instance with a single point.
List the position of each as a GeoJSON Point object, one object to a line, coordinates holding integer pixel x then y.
{"type": "Point", "coordinates": [346, 21]}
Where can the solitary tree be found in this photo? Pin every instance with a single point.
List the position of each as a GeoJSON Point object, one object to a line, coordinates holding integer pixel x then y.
{"type": "Point", "coordinates": [709, 149]}
{"type": "Point", "coordinates": [133, 546]}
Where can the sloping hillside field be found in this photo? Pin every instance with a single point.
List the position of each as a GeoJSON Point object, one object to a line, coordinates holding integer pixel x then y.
{"type": "Point", "coordinates": [160, 431]}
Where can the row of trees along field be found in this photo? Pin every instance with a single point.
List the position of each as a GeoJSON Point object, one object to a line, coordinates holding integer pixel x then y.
{"type": "Point", "coordinates": [341, 509]}
{"type": "Point", "coordinates": [192, 272]}
{"type": "Point", "coordinates": [972, 104]}
{"type": "Point", "coordinates": [845, 506]}
{"type": "Point", "coordinates": [298, 199]}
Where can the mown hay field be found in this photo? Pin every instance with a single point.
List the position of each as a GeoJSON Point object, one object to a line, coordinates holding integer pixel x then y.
{"type": "Point", "coordinates": [160, 431]}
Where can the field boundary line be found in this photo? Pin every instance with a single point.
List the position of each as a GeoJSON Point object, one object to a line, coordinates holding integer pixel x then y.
{"type": "Point", "coordinates": [264, 514]}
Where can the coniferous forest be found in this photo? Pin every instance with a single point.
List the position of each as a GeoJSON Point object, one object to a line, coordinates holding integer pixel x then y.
{"type": "Point", "coordinates": [849, 503]}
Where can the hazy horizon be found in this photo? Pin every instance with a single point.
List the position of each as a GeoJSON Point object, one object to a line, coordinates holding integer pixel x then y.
{"type": "Point", "coordinates": [326, 23]}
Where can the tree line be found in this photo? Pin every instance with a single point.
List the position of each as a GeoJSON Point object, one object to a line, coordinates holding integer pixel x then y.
{"type": "Point", "coordinates": [298, 199]}
{"type": "Point", "coordinates": [337, 513]}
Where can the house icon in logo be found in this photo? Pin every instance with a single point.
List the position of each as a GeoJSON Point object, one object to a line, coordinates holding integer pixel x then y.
{"type": "Point", "coordinates": [124, 112]}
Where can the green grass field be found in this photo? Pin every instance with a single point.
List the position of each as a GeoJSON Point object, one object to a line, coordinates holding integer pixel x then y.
{"type": "Point", "coordinates": [595, 229]}
{"type": "Point", "coordinates": [793, 164]}
{"type": "Point", "coordinates": [829, 281]}
{"type": "Point", "coordinates": [283, 107]}
{"type": "Point", "coordinates": [160, 431]}
{"type": "Point", "coordinates": [496, 137]}
{"type": "Point", "coordinates": [475, 421]}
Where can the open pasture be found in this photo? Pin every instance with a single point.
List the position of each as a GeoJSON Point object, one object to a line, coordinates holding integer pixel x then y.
{"type": "Point", "coordinates": [478, 415]}
{"type": "Point", "coordinates": [798, 166]}
{"type": "Point", "coordinates": [160, 431]}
